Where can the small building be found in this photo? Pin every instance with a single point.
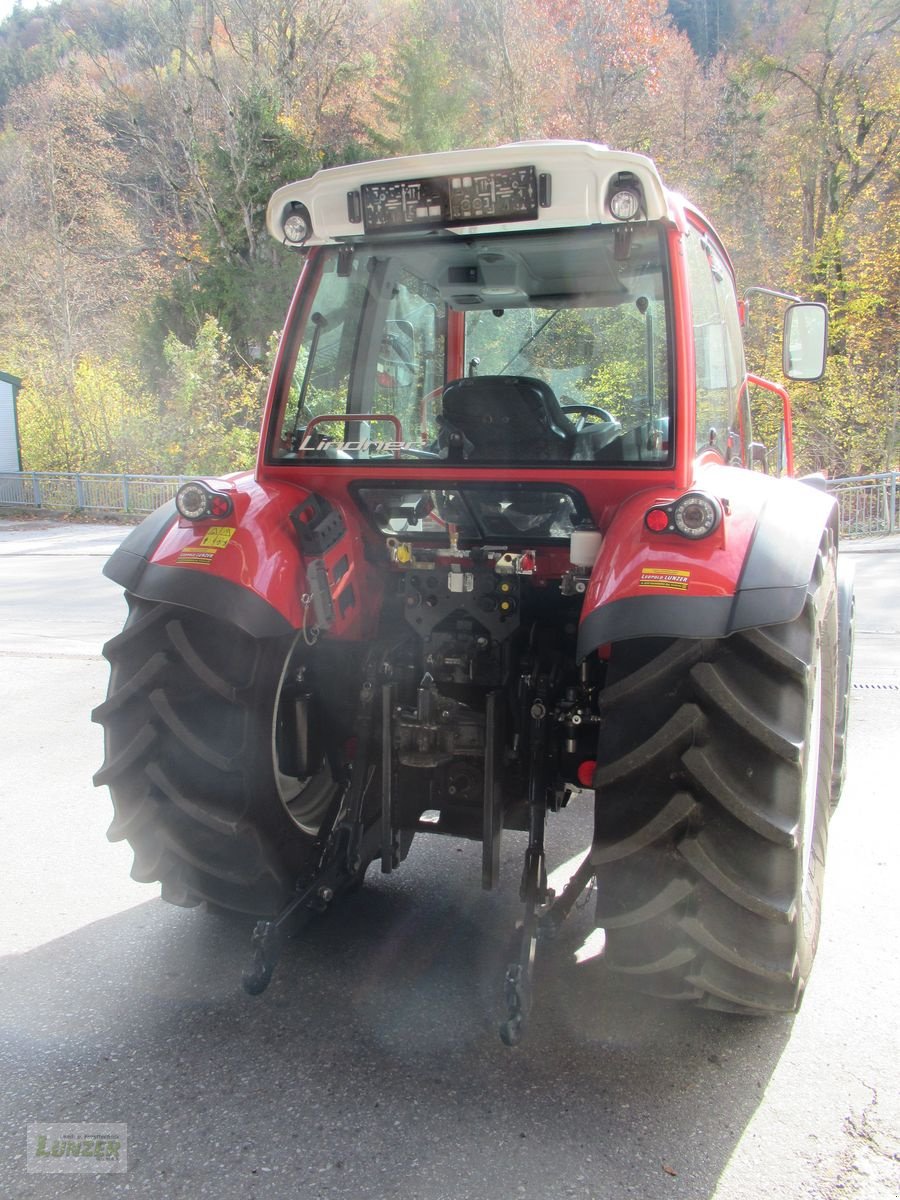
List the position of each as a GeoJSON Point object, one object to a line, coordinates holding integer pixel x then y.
{"type": "Point", "coordinates": [10, 451]}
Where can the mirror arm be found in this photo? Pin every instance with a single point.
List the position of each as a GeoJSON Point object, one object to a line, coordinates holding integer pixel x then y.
{"type": "Point", "coordinates": [763, 291]}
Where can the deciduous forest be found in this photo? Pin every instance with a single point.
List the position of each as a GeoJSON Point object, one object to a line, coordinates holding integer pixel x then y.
{"type": "Point", "coordinates": [141, 299]}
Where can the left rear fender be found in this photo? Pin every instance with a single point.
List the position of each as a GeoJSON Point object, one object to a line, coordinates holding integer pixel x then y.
{"type": "Point", "coordinates": [252, 568]}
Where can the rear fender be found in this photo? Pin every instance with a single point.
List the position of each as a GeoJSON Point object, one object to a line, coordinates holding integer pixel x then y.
{"type": "Point", "coordinates": [754, 570]}
{"type": "Point", "coordinates": [253, 568]}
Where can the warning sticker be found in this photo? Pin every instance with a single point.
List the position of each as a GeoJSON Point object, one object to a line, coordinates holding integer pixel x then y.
{"type": "Point", "coordinates": [666, 578]}
{"type": "Point", "coordinates": [218, 537]}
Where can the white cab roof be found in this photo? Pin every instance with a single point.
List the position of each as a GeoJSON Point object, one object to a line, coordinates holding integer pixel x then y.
{"type": "Point", "coordinates": [580, 176]}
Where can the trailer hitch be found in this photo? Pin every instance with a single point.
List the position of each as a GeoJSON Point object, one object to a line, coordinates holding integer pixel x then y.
{"type": "Point", "coordinates": [544, 911]}
{"type": "Point", "coordinates": [268, 937]}
{"type": "Point", "coordinates": [520, 973]}
{"type": "Point", "coordinates": [533, 891]}
{"type": "Point", "coordinates": [342, 869]}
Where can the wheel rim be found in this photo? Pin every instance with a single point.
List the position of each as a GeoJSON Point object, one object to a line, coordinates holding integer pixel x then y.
{"type": "Point", "coordinates": [306, 798]}
{"type": "Point", "coordinates": [811, 773]}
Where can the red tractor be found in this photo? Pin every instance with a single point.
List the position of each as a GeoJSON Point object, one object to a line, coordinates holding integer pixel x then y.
{"type": "Point", "coordinates": [509, 540]}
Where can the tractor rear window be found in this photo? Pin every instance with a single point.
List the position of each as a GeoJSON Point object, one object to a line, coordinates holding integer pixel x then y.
{"type": "Point", "coordinates": [508, 349]}
{"type": "Point", "coordinates": [502, 511]}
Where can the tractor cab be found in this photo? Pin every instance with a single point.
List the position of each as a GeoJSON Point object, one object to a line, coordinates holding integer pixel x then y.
{"type": "Point", "coordinates": [514, 310]}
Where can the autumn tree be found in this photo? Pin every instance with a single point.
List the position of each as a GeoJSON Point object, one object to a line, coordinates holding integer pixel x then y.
{"type": "Point", "coordinates": [615, 53]}
{"type": "Point", "coordinates": [76, 273]}
{"type": "Point", "coordinates": [140, 141]}
{"type": "Point", "coordinates": [210, 422]}
{"type": "Point", "coordinates": [32, 46]}
{"type": "Point", "coordinates": [217, 104]}
{"type": "Point", "coordinates": [832, 70]}
{"type": "Point", "coordinates": [427, 103]}
{"type": "Point", "coordinates": [828, 85]}
{"type": "Point", "coordinates": [515, 51]}
{"type": "Point", "coordinates": [72, 254]}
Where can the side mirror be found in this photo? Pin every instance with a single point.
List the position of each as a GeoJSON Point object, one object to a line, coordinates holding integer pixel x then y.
{"type": "Point", "coordinates": [805, 340]}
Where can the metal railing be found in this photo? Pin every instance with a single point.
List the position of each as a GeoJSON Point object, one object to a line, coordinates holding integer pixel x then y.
{"type": "Point", "coordinates": [60, 491]}
{"type": "Point", "coordinates": [868, 504]}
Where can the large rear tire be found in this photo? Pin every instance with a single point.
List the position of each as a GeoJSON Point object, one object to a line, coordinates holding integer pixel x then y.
{"type": "Point", "coordinates": [713, 797]}
{"type": "Point", "coordinates": [196, 724]}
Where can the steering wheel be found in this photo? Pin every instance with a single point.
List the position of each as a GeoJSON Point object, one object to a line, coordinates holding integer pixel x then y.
{"type": "Point", "coordinates": [587, 410]}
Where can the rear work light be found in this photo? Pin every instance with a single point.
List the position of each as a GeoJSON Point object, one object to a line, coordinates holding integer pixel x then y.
{"type": "Point", "coordinates": [296, 225]}
{"type": "Point", "coordinates": [695, 515]}
{"type": "Point", "coordinates": [197, 502]}
{"type": "Point", "coordinates": [625, 198]}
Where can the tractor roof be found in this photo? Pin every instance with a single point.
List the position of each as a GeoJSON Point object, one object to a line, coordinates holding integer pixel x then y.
{"type": "Point", "coordinates": [541, 184]}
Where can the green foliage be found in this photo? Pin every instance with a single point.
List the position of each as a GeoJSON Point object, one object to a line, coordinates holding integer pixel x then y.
{"type": "Point", "coordinates": [107, 420]}
{"type": "Point", "coordinates": [613, 384]}
{"type": "Point", "coordinates": [234, 272]}
{"type": "Point", "coordinates": [101, 421]}
{"type": "Point", "coordinates": [210, 423]}
{"type": "Point", "coordinates": [31, 46]}
{"type": "Point", "coordinates": [428, 100]}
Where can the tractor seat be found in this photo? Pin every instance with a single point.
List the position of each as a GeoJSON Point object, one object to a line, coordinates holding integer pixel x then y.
{"type": "Point", "coordinates": [507, 418]}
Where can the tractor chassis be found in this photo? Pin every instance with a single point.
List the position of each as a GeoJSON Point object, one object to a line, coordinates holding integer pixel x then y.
{"type": "Point", "coordinates": [356, 838]}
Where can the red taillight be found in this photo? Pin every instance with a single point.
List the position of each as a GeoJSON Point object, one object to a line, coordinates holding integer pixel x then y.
{"type": "Point", "coordinates": [586, 772]}
{"type": "Point", "coordinates": [219, 506]}
{"type": "Point", "coordinates": [657, 520]}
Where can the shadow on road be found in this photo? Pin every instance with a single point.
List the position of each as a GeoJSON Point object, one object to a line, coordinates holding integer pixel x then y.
{"type": "Point", "coordinates": [372, 1066]}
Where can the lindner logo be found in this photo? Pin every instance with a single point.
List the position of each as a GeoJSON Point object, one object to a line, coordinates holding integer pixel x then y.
{"type": "Point", "coordinates": [69, 1148]}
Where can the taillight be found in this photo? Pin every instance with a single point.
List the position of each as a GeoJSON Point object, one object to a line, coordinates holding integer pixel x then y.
{"type": "Point", "coordinates": [694, 515]}
{"type": "Point", "coordinates": [586, 771]}
{"type": "Point", "coordinates": [657, 520]}
{"type": "Point", "coordinates": [197, 502]}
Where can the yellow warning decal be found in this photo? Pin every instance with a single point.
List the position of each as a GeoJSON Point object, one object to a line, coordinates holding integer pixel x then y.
{"type": "Point", "coordinates": [666, 578]}
{"type": "Point", "coordinates": [219, 537]}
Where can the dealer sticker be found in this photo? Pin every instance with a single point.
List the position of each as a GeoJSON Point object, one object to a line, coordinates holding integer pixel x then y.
{"type": "Point", "coordinates": [195, 557]}
{"type": "Point", "coordinates": [666, 578]}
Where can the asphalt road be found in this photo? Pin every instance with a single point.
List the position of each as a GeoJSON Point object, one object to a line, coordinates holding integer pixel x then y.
{"type": "Point", "coordinates": [371, 1068]}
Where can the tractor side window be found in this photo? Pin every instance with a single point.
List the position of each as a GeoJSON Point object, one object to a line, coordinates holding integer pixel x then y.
{"type": "Point", "coordinates": [321, 376]}
{"type": "Point", "coordinates": [722, 417]}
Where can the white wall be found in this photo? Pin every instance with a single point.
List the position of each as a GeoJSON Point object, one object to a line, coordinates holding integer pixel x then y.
{"type": "Point", "coordinates": [9, 449]}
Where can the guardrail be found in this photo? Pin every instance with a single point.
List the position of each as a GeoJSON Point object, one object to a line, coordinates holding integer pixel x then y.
{"type": "Point", "coordinates": [60, 491]}
{"type": "Point", "coordinates": [868, 503]}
